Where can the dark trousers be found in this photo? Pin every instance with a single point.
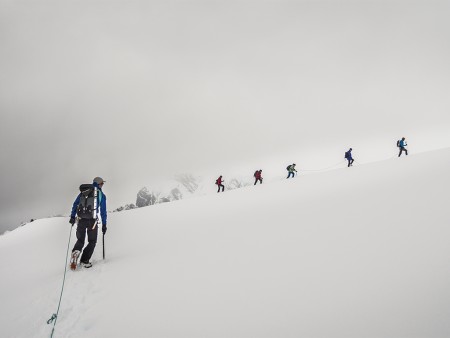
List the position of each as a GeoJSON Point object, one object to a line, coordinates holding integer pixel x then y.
{"type": "Point", "coordinates": [402, 149]}
{"type": "Point", "coordinates": [220, 186]}
{"type": "Point", "coordinates": [350, 162]}
{"type": "Point", "coordinates": [291, 173]}
{"type": "Point", "coordinates": [258, 179]}
{"type": "Point", "coordinates": [85, 225]}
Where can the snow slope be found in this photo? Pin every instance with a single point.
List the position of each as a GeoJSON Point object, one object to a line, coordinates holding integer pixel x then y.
{"type": "Point", "coordinates": [354, 252]}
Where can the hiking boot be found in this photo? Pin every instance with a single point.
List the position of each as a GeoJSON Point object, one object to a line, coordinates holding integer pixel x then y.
{"type": "Point", "coordinates": [74, 259]}
{"type": "Point", "coordinates": [87, 264]}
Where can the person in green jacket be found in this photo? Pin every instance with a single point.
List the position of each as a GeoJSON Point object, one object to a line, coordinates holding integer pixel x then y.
{"type": "Point", "coordinates": [291, 169]}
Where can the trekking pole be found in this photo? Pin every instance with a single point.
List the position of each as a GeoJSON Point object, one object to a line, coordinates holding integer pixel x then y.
{"type": "Point", "coordinates": [103, 246]}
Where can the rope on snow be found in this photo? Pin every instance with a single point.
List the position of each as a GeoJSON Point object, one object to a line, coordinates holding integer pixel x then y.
{"type": "Point", "coordinates": [54, 317]}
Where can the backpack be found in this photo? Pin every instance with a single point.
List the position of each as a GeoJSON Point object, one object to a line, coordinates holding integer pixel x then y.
{"type": "Point", "coordinates": [398, 143]}
{"type": "Point", "coordinates": [87, 208]}
{"type": "Point", "coordinates": [217, 181]}
{"type": "Point", "coordinates": [256, 173]}
{"type": "Point", "coordinates": [288, 168]}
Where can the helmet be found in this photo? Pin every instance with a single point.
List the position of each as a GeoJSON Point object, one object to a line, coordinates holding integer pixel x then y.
{"type": "Point", "coordinates": [99, 180]}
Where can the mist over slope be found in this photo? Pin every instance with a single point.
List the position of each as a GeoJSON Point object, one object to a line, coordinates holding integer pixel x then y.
{"type": "Point", "coordinates": [354, 252]}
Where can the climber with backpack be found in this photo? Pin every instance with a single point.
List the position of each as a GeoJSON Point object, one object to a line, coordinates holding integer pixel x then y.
{"type": "Point", "coordinates": [291, 169]}
{"type": "Point", "coordinates": [219, 183]}
{"type": "Point", "coordinates": [349, 158]}
{"type": "Point", "coordinates": [89, 203]}
{"type": "Point", "coordinates": [402, 145]}
{"type": "Point", "coordinates": [258, 176]}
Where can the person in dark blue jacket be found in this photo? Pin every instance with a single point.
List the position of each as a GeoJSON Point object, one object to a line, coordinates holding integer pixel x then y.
{"type": "Point", "coordinates": [348, 156]}
{"type": "Point", "coordinates": [89, 226]}
{"type": "Point", "coordinates": [402, 145]}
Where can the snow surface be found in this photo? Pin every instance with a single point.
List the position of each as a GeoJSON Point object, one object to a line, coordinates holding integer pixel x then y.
{"type": "Point", "coordinates": [353, 252]}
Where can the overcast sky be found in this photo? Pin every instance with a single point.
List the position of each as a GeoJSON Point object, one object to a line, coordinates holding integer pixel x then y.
{"type": "Point", "coordinates": [137, 91]}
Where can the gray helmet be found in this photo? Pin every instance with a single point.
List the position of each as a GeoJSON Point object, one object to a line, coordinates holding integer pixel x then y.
{"type": "Point", "coordinates": [99, 180]}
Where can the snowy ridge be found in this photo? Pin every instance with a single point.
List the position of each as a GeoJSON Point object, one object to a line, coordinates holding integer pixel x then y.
{"type": "Point", "coordinates": [182, 187]}
{"type": "Point", "coordinates": [359, 252]}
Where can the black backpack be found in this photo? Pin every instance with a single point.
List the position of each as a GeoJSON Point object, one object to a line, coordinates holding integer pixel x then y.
{"type": "Point", "coordinates": [288, 167]}
{"type": "Point", "coordinates": [398, 143]}
{"type": "Point", "coordinates": [87, 208]}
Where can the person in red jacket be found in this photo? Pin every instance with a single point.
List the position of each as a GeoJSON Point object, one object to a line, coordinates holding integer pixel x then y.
{"type": "Point", "coordinates": [258, 176]}
{"type": "Point", "coordinates": [219, 184]}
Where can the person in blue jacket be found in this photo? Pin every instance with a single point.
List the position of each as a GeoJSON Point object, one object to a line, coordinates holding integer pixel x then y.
{"type": "Point", "coordinates": [402, 145]}
{"type": "Point", "coordinates": [89, 225]}
{"type": "Point", "coordinates": [348, 156]}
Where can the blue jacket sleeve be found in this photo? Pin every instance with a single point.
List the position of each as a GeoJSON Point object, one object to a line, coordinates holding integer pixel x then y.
{"type": "Point", "coordinates": [75, 206]}
{"type": "Point", "coordinates": [103, 209]}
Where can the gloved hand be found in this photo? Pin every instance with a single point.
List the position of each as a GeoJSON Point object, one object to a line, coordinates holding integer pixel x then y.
{"type": "Point", "coordinates": [72, 221]}
{"type": "Point", "coordinates": [104, 229]}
